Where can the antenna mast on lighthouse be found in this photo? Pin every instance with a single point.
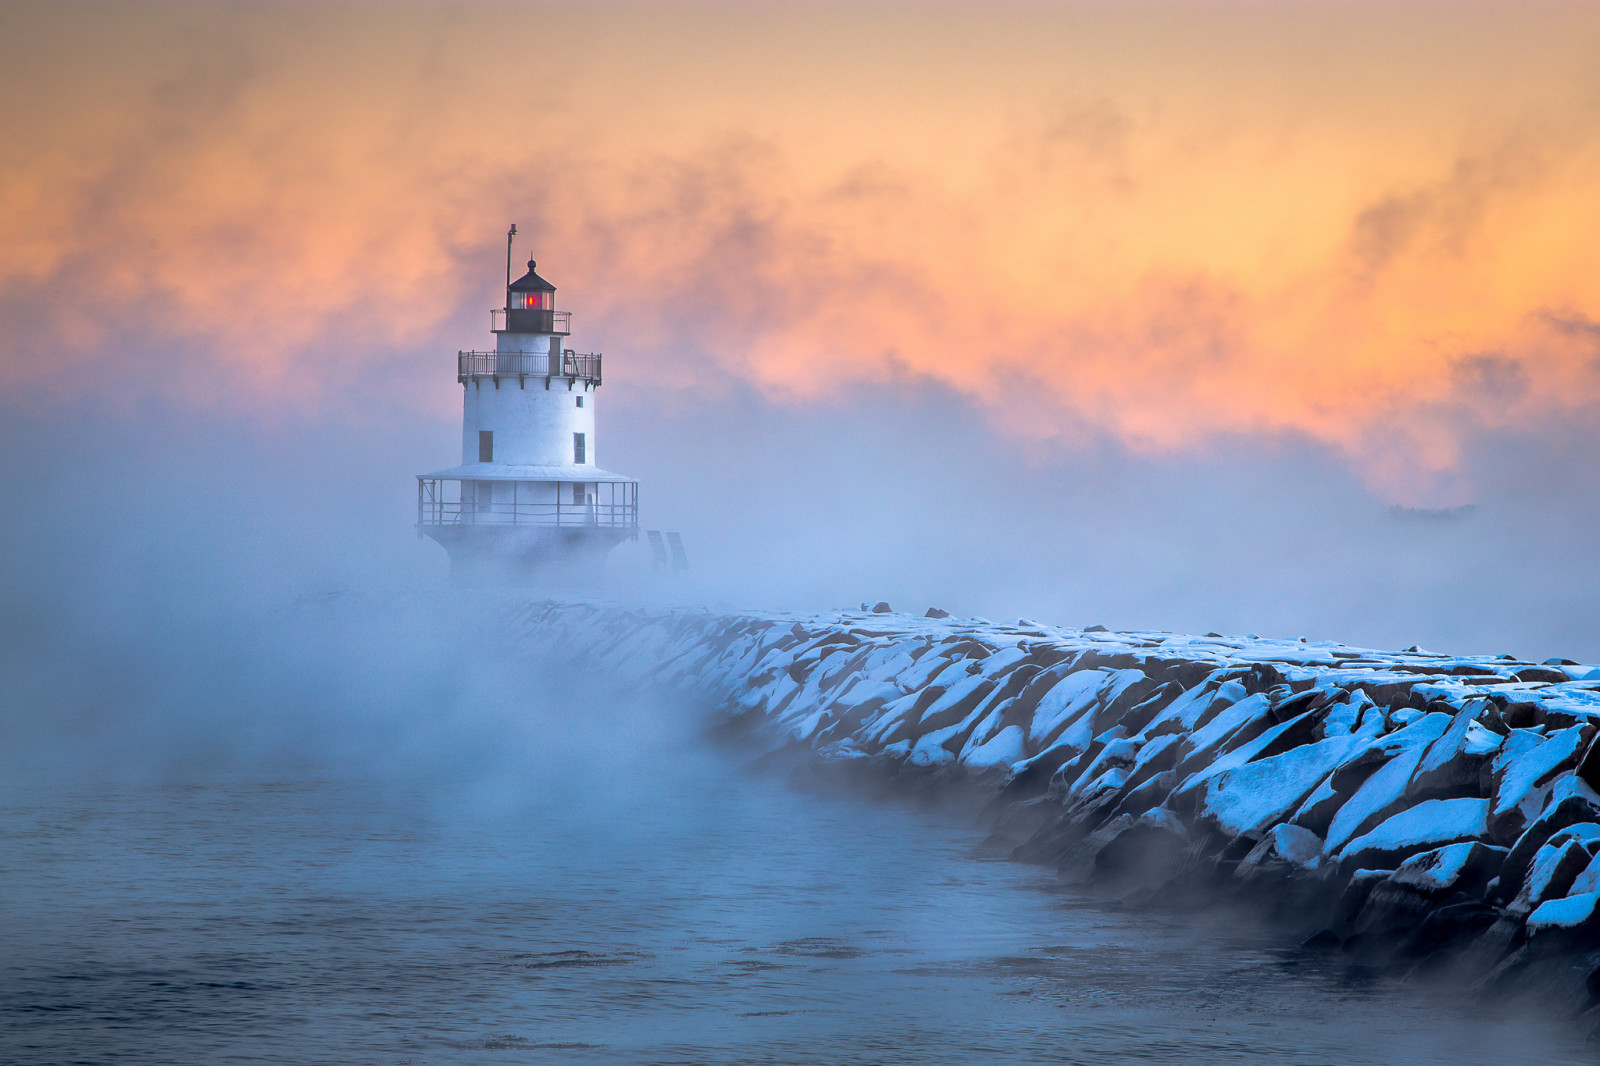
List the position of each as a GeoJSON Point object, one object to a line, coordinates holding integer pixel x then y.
{"type": "Point", "coordinates": [510, 235]}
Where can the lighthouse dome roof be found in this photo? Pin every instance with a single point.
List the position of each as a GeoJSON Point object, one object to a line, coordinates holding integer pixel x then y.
{"type": "Point", "coordinates": [531, 282]}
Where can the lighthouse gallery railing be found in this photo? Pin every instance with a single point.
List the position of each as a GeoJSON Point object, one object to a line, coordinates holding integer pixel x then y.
{"type": "Point", "coordinates": [527, 364]}
{"type": "Point", "coordinates": [615, 505]}
{"type": "Point", "coordinates": [528, 320]}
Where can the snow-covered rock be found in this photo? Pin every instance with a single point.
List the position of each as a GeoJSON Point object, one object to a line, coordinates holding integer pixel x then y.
{"type": "Point", "coordinates": [1467, 867]}
{"type": "Point", "coordinates": [1551, 875]}
{"type": "Point", "coordinates": [1385, 790]}
{"type": "Point", "coordinates": [1260, 794]}
{"type": "Point", "coordinates": [1004, 748]}
{"type": "Point", "coordinates": [1530, 765]}
{"type": "Point", "coordinates": [1568, 914]}
{"type": "Point", "coordinates": [1429, 824]}
{"type": "Point", "coordinates": [1282, 845]}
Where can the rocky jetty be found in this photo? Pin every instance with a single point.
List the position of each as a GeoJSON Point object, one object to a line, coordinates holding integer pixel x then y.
{"type": "Point", "coordinates": [1411, 810]}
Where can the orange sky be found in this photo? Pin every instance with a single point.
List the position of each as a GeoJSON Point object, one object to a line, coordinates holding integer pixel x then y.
{"type": "Point", "coordinates": [1373, 225]}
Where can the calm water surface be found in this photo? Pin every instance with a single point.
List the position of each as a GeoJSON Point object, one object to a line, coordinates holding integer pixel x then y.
{"type": "Point", "coordinates": [589, 885]}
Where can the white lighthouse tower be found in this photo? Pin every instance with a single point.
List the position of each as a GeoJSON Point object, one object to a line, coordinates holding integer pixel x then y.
{"type": "Point", "coordinates": [528, 500]}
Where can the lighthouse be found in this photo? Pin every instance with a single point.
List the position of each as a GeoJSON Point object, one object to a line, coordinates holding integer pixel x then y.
{"type": "Point", "coordinates": [529, 500]}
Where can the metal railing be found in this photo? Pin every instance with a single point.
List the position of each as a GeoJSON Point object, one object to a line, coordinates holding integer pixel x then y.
{"type": "Point", "coordinates": [527, 364]}
{"type": "Point", "coordinates": [610, 504]}
{"type": "Point", "coordinates": [525, 320]}
{"type": "Point", "coordinates": [564, 515]}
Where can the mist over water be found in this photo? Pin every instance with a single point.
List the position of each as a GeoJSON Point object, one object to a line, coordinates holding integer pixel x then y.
{"type": "Point", "coordinates": [364, 835]}
{"type": "Point", "coordinates": [907, 494]}
{"type": "Point", "coordinates": [271, 792]}
{"type": "Point", "coordinates": [903, 492]}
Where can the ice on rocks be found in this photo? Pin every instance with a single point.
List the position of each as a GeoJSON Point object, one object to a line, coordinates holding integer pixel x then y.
{"type": "Point", "coordinates": [930, 749]}
{"type": "Point", "coordinates": [1002, 749]}
{"type": "Point", "coordinates": [1481, 741]}
{"type": "Point", "coordinates": [1228, 721]}
{"type": "Point", "coordinates": [1109, 781]}
{"type": "Point", "coordinates": [1527, 769]}
{"type": "Point", "coordinates": [1247, 750]}
{"type": "Point", "coordinates": [953, 695]}
{"type": "Point", "coordinates": [1118, 752]}
{"type": "Point", "coordinates": [1259, 793]}
{"type": "Point", "coordinates": [1002, 661]}
{"type": "Point", "coordinates": [1384, 789]}
{"type": "Point", "coordinates": [1588, 880]}
{"type": "Point", "coordinates": [1451, 742]}
{"type": "Point", "coordinates": [1572, 787]}
{"type": "Point", "coordinates": [921, 673]}
{"type": "Point", "coordinates": [865, 689]}
{"type": "Point", "coordinates": [1070, 697]}
{"type": "Point", "coordinates": [1444, 868]}
{"type": "Point", "coordinates": [1293, 844]}
{"type": "Point", "coordinates": [1158, 748]}
{"type": "Point", "coordinates": [1556, 867]}
{"type": "Point", "coordinates": [1345, 716]}
{"type": "Point", "coordinates": [805, 726]}
{"type": "Point", "coordinates": [1569, 912]}
{"type": "Point", "coordinates": [1183, 712]}
{"type": "Point", "coordinates": [1428, 824]}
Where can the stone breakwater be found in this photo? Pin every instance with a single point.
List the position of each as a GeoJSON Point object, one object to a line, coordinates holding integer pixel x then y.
{"type": "Point", "coordinates": [1411, 810]}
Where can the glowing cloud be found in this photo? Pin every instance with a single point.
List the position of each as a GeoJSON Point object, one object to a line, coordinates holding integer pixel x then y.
{"type": "Point", "coordinates": [1371, 226]}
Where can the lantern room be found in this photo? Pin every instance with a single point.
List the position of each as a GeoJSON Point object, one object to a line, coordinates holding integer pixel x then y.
{"type": "Point", "coordinates": [531, 305]}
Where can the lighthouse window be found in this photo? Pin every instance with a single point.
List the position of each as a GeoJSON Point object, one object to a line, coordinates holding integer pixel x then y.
{"type": "Point", "coordinates": [532, 301]}
{"type": "Point", "coordinates": [580, 401]}
{"type": "Point", "coordinates": [578, 449]}
{"type": "Point", "coordinates": [485, 445]}
{"type": "Point", "coordinates": [577, 492]}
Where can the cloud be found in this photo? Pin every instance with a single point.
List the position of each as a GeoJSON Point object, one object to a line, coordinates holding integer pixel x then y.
{"type": "Point", "coordinates": [1444, 217]}
{"type": "Point", "coordinates": [1168, 254]}
{"type": "Point", "coordinates": [1490, 379]}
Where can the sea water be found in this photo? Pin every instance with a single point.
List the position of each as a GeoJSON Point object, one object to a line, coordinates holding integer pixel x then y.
{"type": "Point", "coordinates": [557, 872]}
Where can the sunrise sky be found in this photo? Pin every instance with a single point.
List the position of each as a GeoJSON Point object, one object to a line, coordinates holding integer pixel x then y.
{"type": "Point", "coordinates": [1370, 226]}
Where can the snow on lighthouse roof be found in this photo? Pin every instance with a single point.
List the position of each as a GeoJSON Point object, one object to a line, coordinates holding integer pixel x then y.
{"type": "Point", "coordinates": [530, 282]}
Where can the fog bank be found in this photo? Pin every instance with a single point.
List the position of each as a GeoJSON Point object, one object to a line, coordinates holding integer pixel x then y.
{"type": "Point", "coordinates": [139, 517]}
